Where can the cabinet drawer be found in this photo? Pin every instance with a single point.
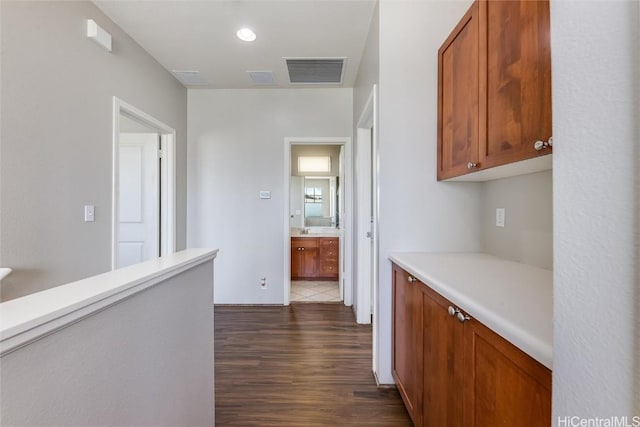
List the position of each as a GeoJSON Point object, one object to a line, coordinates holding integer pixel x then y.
{"type": "Point", "coordinates": [329, 242]}
{"type": "Point", "coordinates": [304, 242]}
{"type": "Point", "coordinates": [328, 269]}
{"type": "Point", "coordinates": [328, 253]}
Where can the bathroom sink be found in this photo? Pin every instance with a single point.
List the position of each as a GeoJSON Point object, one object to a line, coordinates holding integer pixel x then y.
{"type": "Point", "coordinates": [323, 230]}
{"type": "Point", "coordinates": [331, 231]}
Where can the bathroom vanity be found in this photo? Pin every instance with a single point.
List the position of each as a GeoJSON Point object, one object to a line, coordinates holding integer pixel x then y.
{"type": "Point", "coordinates": [315, 257]}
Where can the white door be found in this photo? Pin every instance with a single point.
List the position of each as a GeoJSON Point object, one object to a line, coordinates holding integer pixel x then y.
{"type": "Point", "coordinates": [139, 198]}
{"type": "Point", "coordinates": [365, 240]}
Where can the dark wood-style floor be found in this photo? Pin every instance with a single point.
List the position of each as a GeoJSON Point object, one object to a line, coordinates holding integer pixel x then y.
{"type": "Point", "coordinates": [302, 365]}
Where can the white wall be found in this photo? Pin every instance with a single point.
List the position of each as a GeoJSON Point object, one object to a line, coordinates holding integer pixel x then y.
{"type": "Point", "coordinates": [527, 236]}
{"type": "Point", "coordinates": [368, 75]}
{"type": "Point", "coordinates": [369, 70]}
{"type": "Point", "coordinates": [144, 361]}
{"type": "Point", "coordinates": [595, 105]}
{"type": "Point", "coordinates": [56, 95]}
{"type": "Point", "coordinates": [416, 212]}
{"type": "Point", "coordinates": [236, 149]}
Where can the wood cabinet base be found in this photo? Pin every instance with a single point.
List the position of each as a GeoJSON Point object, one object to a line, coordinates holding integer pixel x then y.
{"type": "Point", "coordinates": [315, 258]}
{"type": "Point", "coordinates": [460, 373]}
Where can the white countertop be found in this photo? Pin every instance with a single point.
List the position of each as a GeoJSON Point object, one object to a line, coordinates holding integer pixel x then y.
{"type": "Point", "coordinates": [514, 300]}
{"type": "Point", "coordinates": [335, 232]}
{"type": "Point", "coordinates": [24, 319]}
{"type": "Point", "coordinates": [4, 272]}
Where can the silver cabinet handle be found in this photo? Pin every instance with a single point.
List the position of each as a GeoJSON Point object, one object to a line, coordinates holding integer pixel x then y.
{"type": "Point", "coordinates": [463, 317]}
{"type": "Point", "coordinates": [453, 311]}
{"type": "Point", "coordinates": [412, 279]}
{"type": "Point", "coordinates": [471, 165]}
{"type": "Point", "coordinates": [541, 145]}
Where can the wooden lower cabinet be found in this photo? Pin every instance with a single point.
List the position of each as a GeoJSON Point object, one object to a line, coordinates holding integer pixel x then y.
{"type": "Point", "coordinates": [329, 262]}
{"type": "Point", "coordinates": [407, 342]}
{"type": "Point", "coordinates": [453, 372]}
{"type": "Point", "coordinates": [442, 365]}
{"type": "Point", "coordinates": [315, 258]}
{"type": "Point", "coordinates": [503, 385]}
{"type": "Point", "coordinates": [304, 258]}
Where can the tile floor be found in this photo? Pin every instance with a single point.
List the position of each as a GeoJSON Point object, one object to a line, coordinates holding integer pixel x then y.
{"type": "Point", "coordinates": [315, 291]}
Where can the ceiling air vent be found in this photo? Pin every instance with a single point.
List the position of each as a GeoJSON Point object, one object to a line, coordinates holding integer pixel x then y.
{"type": "Point", "coordinates": [189, 78]}
{"type": "Point", "coordinates": [262, 78]}
{"type": "Point", "coordinates": [315, 70]}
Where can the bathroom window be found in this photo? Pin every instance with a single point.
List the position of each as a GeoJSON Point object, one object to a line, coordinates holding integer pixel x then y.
{"type": "Point", "coordinates": [314, 164]}
{"type": "Point", "coordinates": [313, 195]}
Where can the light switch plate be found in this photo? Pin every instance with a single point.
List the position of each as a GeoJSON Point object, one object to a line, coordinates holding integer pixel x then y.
{"type": "Point", "coordinates": [500, 214]}
{"type": "Point", "coordinates": [265, 194]}
{"type": "Point", "coordinates": [89, 213]}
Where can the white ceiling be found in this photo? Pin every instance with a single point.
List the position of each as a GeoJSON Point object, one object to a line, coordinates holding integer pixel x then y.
{"type": "Point", "coordinates": [201, 35]}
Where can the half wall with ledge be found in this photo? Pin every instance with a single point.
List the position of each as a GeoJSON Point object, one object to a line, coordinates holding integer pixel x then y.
{"type": "Point", "coordinates": [129, 347]}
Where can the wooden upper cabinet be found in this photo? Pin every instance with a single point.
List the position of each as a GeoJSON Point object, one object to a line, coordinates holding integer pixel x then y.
{"type": "Point", "coordinates": [494, 87]}
{"type": "Point", "coordinates": [516, 46]}
{"type": "Point", "coordinates": [458, 95]}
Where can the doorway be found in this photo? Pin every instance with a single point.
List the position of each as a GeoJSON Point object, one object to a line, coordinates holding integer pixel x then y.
{"type": "Point", "coordinates": [143, 214]}
{"type": "Point", "coordinates": [139, 193]}
{"type": "Point", "coordinates": [317, 228]}
{"type": "Point", "coordinates": [366, 275]}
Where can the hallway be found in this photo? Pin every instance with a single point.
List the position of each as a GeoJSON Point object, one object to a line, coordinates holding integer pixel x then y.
{"type": "Point", "coordinates": [301, 365]}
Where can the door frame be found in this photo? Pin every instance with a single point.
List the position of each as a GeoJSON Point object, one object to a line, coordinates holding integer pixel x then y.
{"type": "Point", "coordinates": [167, 177]}
{"type": "Point", "coordinates": [366, 275]}
{"type": "Point", "coordinates": [346, 275]}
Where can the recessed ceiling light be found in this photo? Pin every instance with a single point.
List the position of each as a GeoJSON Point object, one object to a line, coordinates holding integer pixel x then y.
{"type": "Point", "coordinates": [246, 34]}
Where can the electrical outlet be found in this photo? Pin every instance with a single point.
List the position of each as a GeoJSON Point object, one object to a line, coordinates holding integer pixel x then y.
{"type": "Point", "coordinates": [500, 214]}
{"type": "Point", "coordinates": [263, 283]}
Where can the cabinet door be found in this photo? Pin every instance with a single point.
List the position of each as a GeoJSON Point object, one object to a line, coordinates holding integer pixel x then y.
{"type": "Point", "coordinates": [309, 262]}
{"type": "Point", "coordinates": [515, 44]}
{"type": "Point", "coordinates": [443, 363]}
{"type": "Point", "coordinates": [304, 257]}
{"type": "Point", "coordinates": [503, 386]}
{"type": "Point", "coordinates": [407, 342]}
{"type": "Point", "coordinates": [296, 263]}
{"type": "Point", "coordinates": [458, 98]}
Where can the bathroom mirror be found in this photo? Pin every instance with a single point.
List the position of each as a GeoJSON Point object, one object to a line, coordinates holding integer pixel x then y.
{"type": "Point", "coordinates": [314, 201]}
